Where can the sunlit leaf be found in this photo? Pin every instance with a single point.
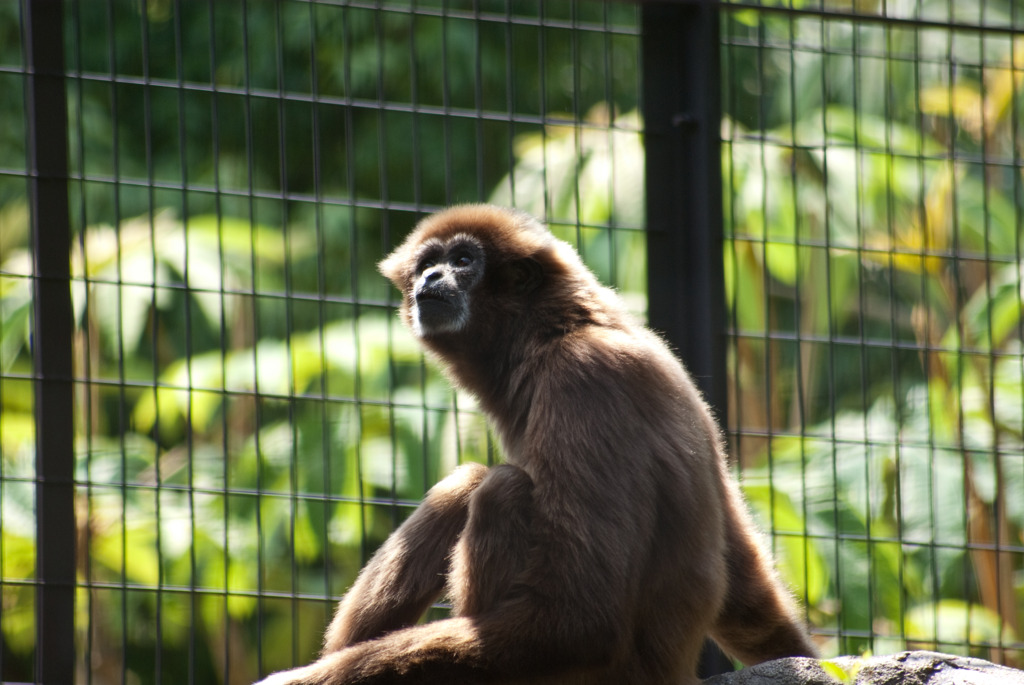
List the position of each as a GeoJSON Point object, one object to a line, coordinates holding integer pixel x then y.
{"type": "Point", "coordinates": [800, 561]}
{"type": "Point", "coordinates": [836, 671]}
{"type": "Point", "coordinates": [782, 263]}
{"type": "Point", "coordinates": [131, 548]}
{"type": "Point", "coordinates": [955, 621]}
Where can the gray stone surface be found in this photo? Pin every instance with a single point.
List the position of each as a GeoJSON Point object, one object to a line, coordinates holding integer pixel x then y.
{"type": "Point", "coordinates": [905, 668]}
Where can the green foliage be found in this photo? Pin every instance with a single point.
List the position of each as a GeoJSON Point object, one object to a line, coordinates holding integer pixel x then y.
{"type": "Point", "coordinates": [588, 181]}
{"type": "Point", "coordinates": [799, 559]}
{"type": "Point", "coordinates": [256, 421]}
{"type": "Point", "coordinates": [839, 673]}
{"type": "Point", "coordinates": [873, 277]}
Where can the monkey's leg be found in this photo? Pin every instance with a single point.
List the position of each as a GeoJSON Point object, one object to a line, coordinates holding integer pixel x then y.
{"type": "Point", "coordinates": [408, 572]}
{"type": "Point", "coordinates": [495, 542]}
{"type": "Point", "coordinates": [759, 620]}
{"type": "Point", "coordinates": [511, 639]}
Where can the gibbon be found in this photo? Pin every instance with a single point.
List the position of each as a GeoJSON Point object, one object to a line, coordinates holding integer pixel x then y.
{"type": "Point", "coordinates": [614, 538]}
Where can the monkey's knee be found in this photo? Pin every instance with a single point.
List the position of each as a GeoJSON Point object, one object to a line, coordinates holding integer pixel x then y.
{"type": "Point", "coordinates": [408, 571]}
{"type": "Point", "coordinates": [506, 490]}
{"type": "Point", "coordinates": [495, 542]}
{"type": "Point", "coordinates": [459, 484]}
{"type": "Point", "coordinates": [439, 520]}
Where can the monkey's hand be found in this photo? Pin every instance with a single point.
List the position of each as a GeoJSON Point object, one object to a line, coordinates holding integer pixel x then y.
{"type": "Point", "coordinates": [327, 671]}
{"type": "Point", "coordinates": [291, 677]}
{"type": "Point", "coordinates": [338, 668]}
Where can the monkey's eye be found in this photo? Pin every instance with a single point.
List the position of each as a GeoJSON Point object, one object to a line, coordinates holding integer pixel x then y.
{"type": "Point", "coordinates": [426, 264]}
{"type": "Point", "coordinates": [462, 260]}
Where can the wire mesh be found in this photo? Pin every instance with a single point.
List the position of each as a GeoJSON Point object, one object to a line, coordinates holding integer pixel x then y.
{"type": "Point", "coordinates": [17, 469]}
{"type": "Point", "coordinates": [874, 220]}
{"type": "Point", "coordinates": [251, 421]}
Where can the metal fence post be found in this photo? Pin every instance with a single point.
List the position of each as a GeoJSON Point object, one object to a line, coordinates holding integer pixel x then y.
{"type": "Point", "coordinates": [682, 115]}
{"type": "Point", "coordinates": [51, 342]}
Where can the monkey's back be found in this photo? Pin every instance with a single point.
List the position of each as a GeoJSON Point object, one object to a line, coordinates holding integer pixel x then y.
{"type": "Point", "coordinates": [627, 464]}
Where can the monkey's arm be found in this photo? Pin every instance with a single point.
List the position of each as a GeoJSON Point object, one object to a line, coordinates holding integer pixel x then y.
{"type": "Point", "coordinates": [432, 654]}
{"type": "Point", "coordinates": [495, 543]}
{"type": "Point", "coordinates": [504, 646]}
{"type": "Point", "coordinates": [408, 572]}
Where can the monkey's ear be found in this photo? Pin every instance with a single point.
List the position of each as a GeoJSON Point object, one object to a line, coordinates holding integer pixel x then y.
{"type": "Point", "coordinates": [527, 275]}
{"type": "Point", "coordinates": [391, 267]}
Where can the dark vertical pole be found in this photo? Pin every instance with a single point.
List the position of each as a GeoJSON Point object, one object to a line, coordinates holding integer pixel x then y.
{"type": "Point", "coordinates": [682, 116]}
{"type": "Point", "coordinates": [51, 342]}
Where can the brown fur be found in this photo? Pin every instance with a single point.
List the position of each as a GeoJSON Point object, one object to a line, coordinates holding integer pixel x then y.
{"type": "Point", "coordinates": [612, 542]}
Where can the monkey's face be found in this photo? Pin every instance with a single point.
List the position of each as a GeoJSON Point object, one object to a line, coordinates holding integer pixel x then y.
{"type": "Point", "coordinates": [446, 273]}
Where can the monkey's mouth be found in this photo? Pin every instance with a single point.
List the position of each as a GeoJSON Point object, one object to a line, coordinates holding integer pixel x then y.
{"type": "Point", "coordinates": [428, 296]}
{"type": "Point", "coordinates": [434, 306]}
{"type": "Point", "coordinates": [435, 298]}
{"type": "Point", "coordinates": [437, 312]}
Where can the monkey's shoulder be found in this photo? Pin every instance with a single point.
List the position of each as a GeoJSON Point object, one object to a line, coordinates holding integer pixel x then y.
{"type": "Point", "coordinates": [604, 375]}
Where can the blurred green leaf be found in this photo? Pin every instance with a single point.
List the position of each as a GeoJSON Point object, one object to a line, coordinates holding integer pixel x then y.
{"type": "Point", "coordinates": [799, 560]}
{"type": "Point", "coordinates": [953, 621]}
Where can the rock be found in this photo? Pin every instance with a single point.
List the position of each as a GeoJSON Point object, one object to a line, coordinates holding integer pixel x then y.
{"type": "Point", "coordinates": [905, 668]}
